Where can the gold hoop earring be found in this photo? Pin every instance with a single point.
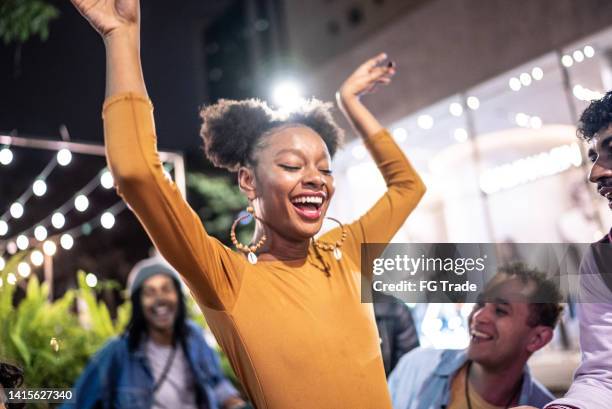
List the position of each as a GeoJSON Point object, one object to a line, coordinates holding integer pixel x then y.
{"type": "Point", "coordinates": [248, 250]}
{"type": "Point", "coordinates": [335, 248]}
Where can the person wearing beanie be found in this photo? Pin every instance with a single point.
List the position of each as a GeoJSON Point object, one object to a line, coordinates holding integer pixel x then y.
{"type": "Point", "coordinates": [162, 359]}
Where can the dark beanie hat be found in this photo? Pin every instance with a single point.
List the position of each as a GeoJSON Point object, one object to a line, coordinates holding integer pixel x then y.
{"type": "Point", "coordinates": [148, 268]}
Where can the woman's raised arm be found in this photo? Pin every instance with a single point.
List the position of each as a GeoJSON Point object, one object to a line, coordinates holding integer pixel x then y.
{"type": "Point", "coordinates": [118, 22]}
{"type": "Point", "coordinates": [404, 186]}
{"type": "Point", "coordinates": [211, 270]}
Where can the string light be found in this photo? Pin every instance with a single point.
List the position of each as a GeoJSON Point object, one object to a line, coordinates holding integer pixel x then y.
{"type": "Point", "coordinates": [6, 156]}
{"type": "Point", "coordinates": [515, 84]}
{"type": "Point", "coordinates": [537, 73]}
{"type": "Point", "coordinates": [460, 135]}
{"type": "Point", "coordinates": [64, 157]}
{"type": "Point", "coordinates": [455, 109]}
{"type": "Point", "coordinates": [24, 269]}
{"type": "Point", "coordinates": [49, 248]}
{"type": "Point", "coordinates": [2, 263]}
{"type": "Point", "coordinates": [16, 210]}
{"type": "Point", "coordinates": [37, 258]}
{"type": "Point", "coordinates": [39, 187]}
{"type": "Point", "coordinates": [473, 103]}
{"type": "Point", "coordinates": [578, 56]}
{"type": "Point", "coordinates": [66, 241]}
{"type": "Point", "coordinates": [91, 280]}
{"type": "Point", "coordinates": [425, 122]}
{"type": "Point", "coordinates": [3, 228]}
{"type": "Point", "coordinates": [400, 134]}
{"type": "Point", "coordinates": [588, 51]}
{"type": "Point", "coordinates": [11, 279]}
{"type": "Point", "coordinates": [106, 180]}
{"type": "Point", "coordinates": [22, 242]}
{"type": "Point", "coordinates": [40, 233]}
{"type": "Point", "coordinates": [11, 247]}
{"type": "Point", "coordinates": [58, 220]}
{"type": "Point", "coordinates": [107, 220]}
{"type": "Point", "coordinates": [81, 203]}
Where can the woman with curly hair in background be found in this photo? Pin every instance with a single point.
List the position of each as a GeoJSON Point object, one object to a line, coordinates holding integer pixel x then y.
{"type": "Point", "coordinates": [286, 309]}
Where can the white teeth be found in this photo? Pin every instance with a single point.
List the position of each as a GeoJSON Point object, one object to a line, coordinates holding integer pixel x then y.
{"type": "Point", "coordinates": [308, 199]}
{"type": "Point", "coordinates": [161, 310]}
{"type": "Point", "coordinates": [479, 334]}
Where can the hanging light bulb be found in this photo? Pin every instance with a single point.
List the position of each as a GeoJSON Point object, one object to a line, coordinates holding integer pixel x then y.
{"type": "Point", "coordinates": [91, 280]}
{"type": "Point", "coordinates": [16, 210]}
{"type": "Point", "coordinates": [106, 180]}
{"type": "Point", "coordinates": [40, 233]}
{"type": "Point", "coordinates": [11, 278]}
{"type": "Point", "coordinates": [22, 242]}
{"type": "Point", "coordinates": [24, 269]}
{"type": "Point", "coordinates": [66, 241]}
{"type": "Point", "coordinates": [64, 157]}
{"type": "Point", "coordinates": [6, 156]}
{"type": "Point", "coordinates": [49, 248]}
{"type": "Point", "coordinates": [58, 220]}
{"type": "Point", "coordinates": [39, 187]}
{"type": "Point", "coordinates": [37, 258]}
{"type": "Point", "coordinates": [3, 228]}
{"type": "Point", "coordinates": [81, 203]}
{"type": "Point", "coordinates": [107, 220]}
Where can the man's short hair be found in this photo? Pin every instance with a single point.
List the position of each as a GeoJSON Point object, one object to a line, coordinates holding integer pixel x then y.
{"type": "Point", "coordinates": [545, 301]}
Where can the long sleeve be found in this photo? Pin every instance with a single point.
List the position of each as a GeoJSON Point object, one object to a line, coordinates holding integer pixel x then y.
{"type": "Point", "coordinates": [212, 271]}
{"type": "Point", "coordinates": [592, 385]}
{"type": "Point", "coordinates": [404, 191]}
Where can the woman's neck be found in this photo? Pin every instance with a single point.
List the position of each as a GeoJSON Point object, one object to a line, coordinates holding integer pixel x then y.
{"type": "Point", "coordinates": [277, 247]}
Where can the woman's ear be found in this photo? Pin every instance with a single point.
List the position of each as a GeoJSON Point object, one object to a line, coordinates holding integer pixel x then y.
{"type": "Point", "coordinates": [246, 181]}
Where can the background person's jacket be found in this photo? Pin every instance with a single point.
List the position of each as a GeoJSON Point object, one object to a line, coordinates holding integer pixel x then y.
{"type": "Point", "coordinates": [423, 379]}
{"type": "Point", "coordinates": [117, 378]}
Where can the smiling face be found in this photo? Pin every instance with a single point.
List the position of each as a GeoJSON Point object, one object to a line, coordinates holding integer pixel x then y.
{"type": "Point", "coordinates": [600, 154]}
{"type": "Point", "coordinates": [291, 184]}
{"type": "Point", "coordinates": [499, 328]}
{"type": "Point", "coordinates": [159, 301]}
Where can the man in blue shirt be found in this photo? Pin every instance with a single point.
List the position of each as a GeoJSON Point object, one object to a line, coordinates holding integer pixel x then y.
{"type": "Point", "coordinates": [506, 328]}
{"type": "Point", "coordinates": [162, 360]}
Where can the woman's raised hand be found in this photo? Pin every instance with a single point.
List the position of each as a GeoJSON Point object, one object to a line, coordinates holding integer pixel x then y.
{"type": "Point", "coordinates": [368, 76]}
{"type": "Point", "coordinates": [106, 16]}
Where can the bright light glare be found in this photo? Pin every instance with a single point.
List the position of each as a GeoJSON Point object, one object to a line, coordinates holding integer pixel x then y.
{"type": "Point", "coordinates": [287, 95]}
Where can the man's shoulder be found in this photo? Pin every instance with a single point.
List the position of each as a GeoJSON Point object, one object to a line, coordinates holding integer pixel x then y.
{"type": "Point", "coordinates": [540, 395]}
{"type": "Point", "coordinates": [420, 358]}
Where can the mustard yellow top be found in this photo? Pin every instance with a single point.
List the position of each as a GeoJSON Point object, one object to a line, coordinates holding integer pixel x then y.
{"type": "Point", "coordinates": [296, 337]}
{"type": "Point", "coordinates": [458, 399]}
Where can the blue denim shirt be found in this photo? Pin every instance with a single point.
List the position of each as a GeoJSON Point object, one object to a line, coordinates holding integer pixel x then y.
{"type": "Point", "coordinates": [422, 380]}
{"type": "Point", "coordinates": [117, 378]}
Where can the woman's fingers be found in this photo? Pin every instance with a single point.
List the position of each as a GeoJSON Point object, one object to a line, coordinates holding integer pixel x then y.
{"type": "Point", "coordinates": [373, 62]}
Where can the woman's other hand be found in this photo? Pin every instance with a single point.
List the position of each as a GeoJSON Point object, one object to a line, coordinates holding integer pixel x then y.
{"type": "Point", "coordinates": [367, 77]}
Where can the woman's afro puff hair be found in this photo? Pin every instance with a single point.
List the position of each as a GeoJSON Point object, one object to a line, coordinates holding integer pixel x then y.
{"type": "Point", "coordinates": [232, 129]}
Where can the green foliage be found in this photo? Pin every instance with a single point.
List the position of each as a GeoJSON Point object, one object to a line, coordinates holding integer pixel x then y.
{"type": "Point", "coordinates": [222, 202]}
{"type": "Point", "coordinates": [49, 339]}
{"type": "Point", "coordinates": [22, 19]}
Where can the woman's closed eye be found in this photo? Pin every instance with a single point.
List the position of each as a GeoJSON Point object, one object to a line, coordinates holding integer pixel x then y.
{"type": "Point", "coordinates": [291, 168]}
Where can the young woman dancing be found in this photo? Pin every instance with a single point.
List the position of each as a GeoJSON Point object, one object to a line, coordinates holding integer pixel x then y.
{"type": "Point", "coordinates": [286, 309]}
